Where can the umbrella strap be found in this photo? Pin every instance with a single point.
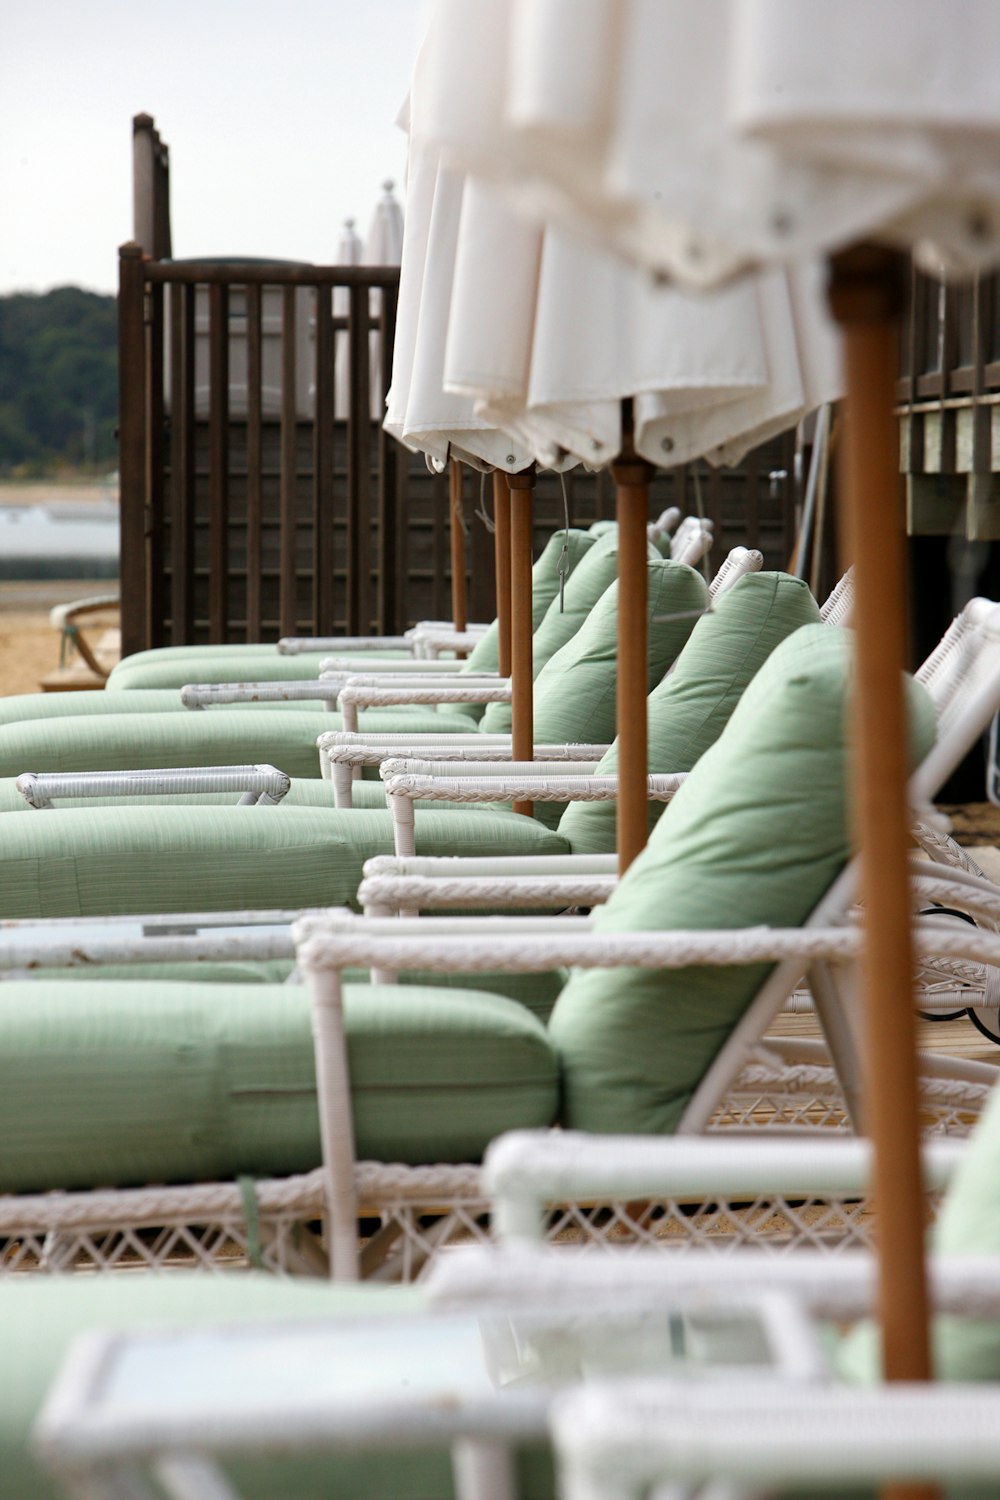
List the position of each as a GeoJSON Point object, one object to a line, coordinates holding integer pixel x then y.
{"type": "Point", "coordinates": [563, 568]}
{"type": "Point", "coordinates": [482, 512]}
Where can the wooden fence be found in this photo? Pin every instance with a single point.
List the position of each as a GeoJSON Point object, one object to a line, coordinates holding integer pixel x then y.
{"type": "Point", "coordinates": [260, 496]}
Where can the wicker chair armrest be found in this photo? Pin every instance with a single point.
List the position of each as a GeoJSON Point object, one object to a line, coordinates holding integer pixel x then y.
{"type": "Point", "coordinates": [526, 1169]}
{"type": "Point", "coordinates": [262, 785]}
{"type": "Point", "coordinates": [416, 667]}
{"type": "Point", "coordinates": [470, 945]}
{"type": "Point", "coordinates": [294, 645]}
{"type": "Point", "coordinates": [382, 895]}
{"type": "Point", "coordinates": [497, 783]}
{"type": "Point", "coordinates": [199, 695]}
{"type": "Point", "coordinates": [486, 766]}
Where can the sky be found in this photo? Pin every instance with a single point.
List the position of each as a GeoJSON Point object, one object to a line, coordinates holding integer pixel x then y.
{"type": "Point", "coordinates": [279, 116]}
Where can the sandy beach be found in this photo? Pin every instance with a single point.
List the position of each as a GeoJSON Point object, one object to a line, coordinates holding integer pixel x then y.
{"type": "Point", "coordinates": [29, 647]}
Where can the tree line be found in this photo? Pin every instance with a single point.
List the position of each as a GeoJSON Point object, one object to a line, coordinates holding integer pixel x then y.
{"type": "Point", "coordinates": [58, 382]}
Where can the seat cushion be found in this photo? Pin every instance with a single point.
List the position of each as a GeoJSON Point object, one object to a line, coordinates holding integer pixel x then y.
{"type": "Point", "coordinates": [968, 1224]}
{"type": "Point", "coordinates": [182, 1082]}
{"type": "Point", "coordinates": [174, 666]}
{"type": "Point", "coordinates": [234, 736]}
{"type": "Point", "coordinates": [109, 861]}
{"type": "Point", "coordinates": [691, 706]}
{"type": "Point", "coordinates": [538, 992]}
{"type": "Point", "coordinates": [43, 1315]}
{"type": "Point", "coordinates": [485, 655]}
{"type": "Point", "coordinates": [755, 836]}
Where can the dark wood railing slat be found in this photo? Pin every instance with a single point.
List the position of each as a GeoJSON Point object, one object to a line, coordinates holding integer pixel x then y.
{"type": "Point", "coordinates": [254, 463]}
{"type": "Point", "coordinates": [323, 459]}
{"type": "Point", "coordinates": [218, 462]}
{"type": "Point", "coordinates": [288, 497]}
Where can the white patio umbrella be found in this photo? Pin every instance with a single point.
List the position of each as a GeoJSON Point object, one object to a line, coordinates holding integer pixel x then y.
{"type": "Point", "coordinates": [549, 336]}
{"type": "Point", "coordinates": [383, 247]}
{"type": "Point", "coordinates": [706, 139]}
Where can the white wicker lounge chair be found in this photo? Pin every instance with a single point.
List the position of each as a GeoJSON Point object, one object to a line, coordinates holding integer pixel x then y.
{"type": "Point", "coordinates": [419, 1207]}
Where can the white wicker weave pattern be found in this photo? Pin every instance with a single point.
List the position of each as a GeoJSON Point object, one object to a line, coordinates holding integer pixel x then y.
{"type": "Point", "coordinates": [294, 645]}
{"type": "Point", "coordinates": [200, 695]}
{"type": "Point", "coordinates": [384, 894]}
{"type": "Point", "coordinates": [839, 606]}
{"type": "Point", "coordinates": [258, 784]}
{"type": "Point", "coordinates": [497, 784]}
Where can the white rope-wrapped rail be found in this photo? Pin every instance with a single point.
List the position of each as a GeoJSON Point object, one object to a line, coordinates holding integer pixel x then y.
{"type": "Point", "coordinates": [261, 784]}
{"type": "Point", "coordinates": [452, 866]}
{"type": "Point", "coordinates": [356, 696]}
{"type": "Point", "coordinates": [535, 788]}
{"type": "Point", "coordinates": [841, 1286]}
{"type": "Point", "coordinates": [524, 953]}
{"type": "Point", "coordinates": [92, 953]}
{"type": "Point", "coordinates": [295, 645]}
{"type": "Point", "coordinates": [446, 747]}
{"type": "Point", "coordinates": [343, 666]}
{"type": "Point", "coordinates": [368, 694]}
{"type": "Point", "coordinates": [414, 891]}
{"type": "Point", "coordinates": [376, 1183]}
{"type": "Point", "coordinates": [404, 765]}
{"type": "Point", "coordinates": [631, 1438]}
{"type": "Point", "coordinates": [200, 695]}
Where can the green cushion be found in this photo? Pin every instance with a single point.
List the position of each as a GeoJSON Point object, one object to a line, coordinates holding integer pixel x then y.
{"type": "Point", "coordinates": [182, 1082]}
{"type": "Point", "coordinates": [575, 690]}
{"type": "Point", "coordinates": [689, 709]}
{"type": "Point", "coordinates": [43, 1315]}
{"type": "Point", "coordinates": [108, 861]}
{"type": "Point", "coordinates": [589, 580]}
{"type": "Point", "coordinates": [538, 992]}
{"type": "Point", "coordinates": [150, 669]}
{"type": "Point", "coordinates": [239, 736]}
{"type": "Point", "coordinates": [485, 656]}
{"type": "Point", "coordinates": [968, 1224]}
{"type": "Point", "coordinates": [756, 835]}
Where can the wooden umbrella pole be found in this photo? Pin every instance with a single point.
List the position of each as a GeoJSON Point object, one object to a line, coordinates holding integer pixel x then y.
{"type": "Point", "coordinates": [501, 542]}
{"type": "Point", "coordinates": [865, 296]}
{"type": "Point", "coordinates": [522, 699]}
{"type": "Point", "coordinates": [456, 487]}
{"type": "Point", "coordinates": [632, 477]}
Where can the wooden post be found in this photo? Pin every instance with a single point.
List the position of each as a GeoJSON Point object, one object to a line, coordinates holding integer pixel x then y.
{"type": "Point", "coordinates": [632, 476]}
{"type": "Point", "coordinates": [523, 733]}
{"type": "Point", "coordinates": [866, 296]}
{"type": "Point", "coordinates": [459, 608]}
{"type": "Point", "coordinates": [144, 182]}
{"type": "Point", "coordinates": [501, 538]}
{"type": "Point", "coordinates": [132, 446]}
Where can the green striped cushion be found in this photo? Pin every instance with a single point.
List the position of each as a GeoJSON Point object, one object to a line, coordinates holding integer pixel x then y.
{"type": "Point", "coordinates": [690, 707]}
{"type": "Point", "coordinates": [755, 836]}
{"type": "Point", "coordinates": [562, 619]}
{"type": "Point", "coordinates": [43, 1315]}
{"type": "Point", "coordinates": [148, 669]}
{"type": "Point", "coordinates": [575, 690]}
{"type": "Point", "coordinates": [544, 586]}
{"type": "Point", "coordinates": [108, 861]}
{"type": "Point", "coordinates": [182, 1082]}
{"type": "Point", "coordinates": [238, 736]}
